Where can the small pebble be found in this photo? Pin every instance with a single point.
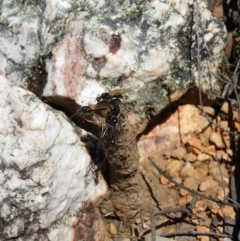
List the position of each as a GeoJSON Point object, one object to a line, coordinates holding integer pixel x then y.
{"type": "Point", "coordinates": [203, 229]}
{"type": "Point", "coordinates": [183, 201]}
{"type": "Point", "coordinates": [187, 170]}
{"type": "Point", "coordinates": [163, 180]}
{"type": "Point", "coordinates": [112, 229]}
{"type": "Point", "coordinates": [200, 173]}
{"type": "Point", "coordinates": [207, 184]}
{"type": "Point", "coordinates": [194, 144]}
{"type": "Point", "coordinates": [190, 157]}
{"type": "Point", "coordinates": [225, 107]}
{"type": "Point", "coordinates": [179, 153]}
{"type": "Point", "coordinates": [174, 167]}
{"type": "Point", "coordinates": [202, 157]}
{"type": "Point", "coordinates": [189, 182]}
{"type": "Point", "coordinates": [216, 139]}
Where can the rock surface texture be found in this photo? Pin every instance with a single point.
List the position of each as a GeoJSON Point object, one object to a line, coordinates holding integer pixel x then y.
{"type": "Point", "coordinates": [79, 49]}
{"type": "Point", "coordinates": [68, 52]}
{"type": "Point", "coordinates": [47, 177]}
{"type": "Point", "coordinates": [186, 146]}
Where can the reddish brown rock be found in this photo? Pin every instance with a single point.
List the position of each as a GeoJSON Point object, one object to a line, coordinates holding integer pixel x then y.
{"type": "Point", "coordinates": [190, 157]}
{"type": "Point", "coordinates": [229, 211]}
{"type": "Point", "coordinates": [174, 167]}
{"type": "Point", "coordinates": [189, 182]}
{"type": "Point", "coordinates": [163, 180]}
{"type": "Point", "coordinates": [203, 157]}
{"type": "Point", "coordinates": [208, 184]}
{"type": "Point", "coordinates": [205, 135]}
{"type": "Point", "coordinates": [178, 129]}
{"type": "Point", "coordinates": [225, 108]}
{"type": "Point", "coordinates": [235, 116]}
{"type": "Point", "coordinates": [216, 139]}
{"type": "Point", "coordinates": [224, 125]}
{"type": "Point", "coordinates": [210, 150]}
{"type": "Point", "coordinates": [187, 170]}
{"type": "Point", "coordinates": [203, 229]}
{"type": "Point", "coordinates": [112, 230]}
{"type": "Point", "coordinates": [183, 201]}
{"type": "Point", "coordinates": [226, 139]}
{"type": "Point", "coordinates": [179, 153]}
{"type": "Point", "coordinates": [222, 155]}
{"type": "Point", "coordinates": [237, 125]}
{"type": "Point", "coordinates": [221, 194]}
{"type": "Point", "coordinates": [208, 110]}
{"type": "Point", "coordinates": [200, 173]}
{"type": "Point", "coordinates": [195, 145]}
{"type": "Point", "coordinates": [215, 173]}
{"type": "Point", "coordinates": [177, 179]}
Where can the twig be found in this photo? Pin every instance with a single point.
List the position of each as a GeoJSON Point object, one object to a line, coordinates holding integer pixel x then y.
{"type": "Point", "coordinates": [191, 190]}
{"type": "Point", "coordinates": [141, 217]}
{"type": "Point", "coordinates": [221, 175]}
{"type": "Point", "coordinates": [188, 209]}
{"type": "Point", "coordinates": [193, 233]}
{"type": "Point", "coordinates": [152, 219]}
{"type": "Point", "coordinates": [115, 238]}
{"type": "Point", "coordinates": [129, 237]}
{"type": "Point", "coordinates": [235, 80]}
{"type": "Point", "coordinates": [173, 210]}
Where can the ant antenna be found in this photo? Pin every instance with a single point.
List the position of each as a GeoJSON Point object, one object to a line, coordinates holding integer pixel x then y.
{"type": "Point", "coordinates": [73, 115]}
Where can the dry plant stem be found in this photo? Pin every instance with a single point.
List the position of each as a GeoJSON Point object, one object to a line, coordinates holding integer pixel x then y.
{"type": "Point", "coordinates": [235, 80]}
{"type": "Point", "coordinates": [153, 230]}
{"type": "Point", "coordinates": [128, 237]}
{"type": "Point", "coordinates": [188, 209]}
{"type": "Point", "coordinates": [193, 233]}
{"type": "Point", "coordinates": [119, 230]}
{"type": "Point", "coordinates": [173, 210]}
{"type": "Point", "coordinates": [220, 171]}
{"type": "Point", "coordinates": [237, 205]}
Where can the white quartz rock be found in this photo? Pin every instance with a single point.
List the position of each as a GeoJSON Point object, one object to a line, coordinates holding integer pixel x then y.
{"type": "Point", "coordinates": [78, 49]}
{"type": "Point", "coordinates": [150, 48]}
{"type": "Point", "coordinates": [46, 173]}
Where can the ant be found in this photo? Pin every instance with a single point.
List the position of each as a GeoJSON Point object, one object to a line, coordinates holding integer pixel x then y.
{"type": "Point", "coordinates": [114, 94]}
{"type": "Point", "coordinates": [98, 108]}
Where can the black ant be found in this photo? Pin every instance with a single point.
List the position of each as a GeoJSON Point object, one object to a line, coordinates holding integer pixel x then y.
{"type": "Point", "coordinates": [112, 94]}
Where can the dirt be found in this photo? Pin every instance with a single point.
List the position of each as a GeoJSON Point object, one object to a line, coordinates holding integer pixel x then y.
{"type": "Point", "coordinates": [130, 188]}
